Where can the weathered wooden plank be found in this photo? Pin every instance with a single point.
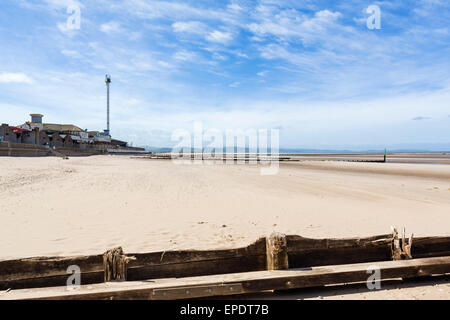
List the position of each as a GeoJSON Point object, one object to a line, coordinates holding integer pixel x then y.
{"type": "Point", "coordinates": [425, 245]}
{"type": "Point", "coordinates": [199, 268]}
{"type": "Point", "coordinates": [296, 242]}
{"type": "Point", "coordinates": [175, 257]}
{"type": "Point", "coordinates": [433, 254]}
{"type": "Point", "coordinates": [302, 252]}
{"type": "Point", "coordinates": [53, 281]}
{"type": "Point", "coordinates": [248, 282]}
{"type": "Point", "coordinates": [197, 263]}
{"type": "Point", "coordinates": [306, 252]}
{"type": "Point", "coordinates": [189, 292]}
{"type": "Point", "coordinates": [346, 255]}
{"type": "Point", "coordinates": [38, 272]}
{"type": "Point", "coordinates": [47, 266]}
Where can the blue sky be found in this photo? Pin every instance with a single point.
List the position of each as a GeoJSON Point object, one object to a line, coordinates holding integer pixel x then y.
{"type": "Point", "coordinates": [309, 68]}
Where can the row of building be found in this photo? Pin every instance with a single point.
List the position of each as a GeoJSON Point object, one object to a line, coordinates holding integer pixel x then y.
{"type": "Point", "coordinates": [55, 135]}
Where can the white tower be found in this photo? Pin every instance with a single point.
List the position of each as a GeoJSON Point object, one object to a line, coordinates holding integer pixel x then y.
{"type": "Point", "coordinates": [107, 81]}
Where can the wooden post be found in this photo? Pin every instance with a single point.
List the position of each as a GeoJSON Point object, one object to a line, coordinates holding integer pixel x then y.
{"type": "Point", "coordinates": [115, 264]}
{"type": "Point", "coordinates": [276, 252]}
{"type": "Point", "coordinates": [399, 248]}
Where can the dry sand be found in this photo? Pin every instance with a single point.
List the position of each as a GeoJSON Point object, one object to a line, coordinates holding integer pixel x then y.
{"type": "Point", "coordinates": [50, 206]}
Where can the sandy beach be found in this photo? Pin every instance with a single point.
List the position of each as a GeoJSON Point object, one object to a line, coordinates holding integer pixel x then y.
{"type": "Point", "coordinates": [51, 206]}
{"type": "Point", "coordinates": [56, 207]}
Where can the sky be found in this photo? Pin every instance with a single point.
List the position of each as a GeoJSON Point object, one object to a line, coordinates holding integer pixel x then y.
{"type": "Point", "coordinates": [313, 70]}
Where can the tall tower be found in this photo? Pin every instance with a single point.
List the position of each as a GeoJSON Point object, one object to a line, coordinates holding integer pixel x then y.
{"type": "Point", "coordinates": [108, 81]}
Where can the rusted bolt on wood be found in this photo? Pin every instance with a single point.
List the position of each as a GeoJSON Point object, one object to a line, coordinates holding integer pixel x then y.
{"type": "Point", "coordinates": [276, 252]}
{"type": "Point", "coordinates": [115, 265]}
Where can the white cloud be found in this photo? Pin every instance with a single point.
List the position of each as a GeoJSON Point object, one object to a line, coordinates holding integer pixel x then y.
{"type": "Point", "coordinates": [132, 102]}
{"type": "Point", "coordinates": [62, 26]}
{"type": "Point", "coordinates": [71, 53]}
{"type": "Point", "coordinates": [217, 56]}
{"type": "Point", "coordinates": [292, 25]}
{"type": "Point", "coordinates": [110, 27]}
{"type": "Point", "coordinates": [274, 51]}
{"type": "Point", "coordinates": [219, 36]}
{"type": "Point", "coordinates": [62, 3]}
{"type": "Point", "coordinates": [242, 55]}
{"type": "Point", "coordinates": [234, 7]}
{"type": "Point", "coordinates": [184, 55]}
{"type": "Point", "coordinates": [15, 78]}
{"type": "Point", "coordinates": [194, 27]}
{"type": "Point", "coordinates": [50, 4]}
{"type": "Point", "coordinates": [114, 27]}
{"type": "Point", "coordinates": [169, 9]}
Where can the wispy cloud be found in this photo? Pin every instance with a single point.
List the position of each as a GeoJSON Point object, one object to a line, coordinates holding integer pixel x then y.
{"type": "Point", "coordinates": [71, 53]}
{"type": "Point", "coordinates": [301, 65]}
{"type": "Point", "coordinates": [291, 25]}
{"type": "Point", "coordinates": [15, 78]}
{"type": "Point", "coordinates": [185, 55]}
{"type": "Point", "coordinates": [194, 27]}
{"type": "Point", "coordinates": [219, 36]}
{"type": "Point", "coordinates": [110, 27]}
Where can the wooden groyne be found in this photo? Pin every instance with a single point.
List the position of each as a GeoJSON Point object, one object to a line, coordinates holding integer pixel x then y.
{"type": "Point", "coordinates": [267, 158]}
{"type": "Point", "coordinates": [297, 262]}
{"type": "Point", "coordinates": [237, 283]}
{"type": "Point", "coordinates": [393, 157]}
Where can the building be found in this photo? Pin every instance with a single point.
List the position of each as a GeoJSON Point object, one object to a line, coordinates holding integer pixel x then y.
{"type": "Point", "coordinates": [68, 141]}
{"type": "Point", "coordinates": [77, 135]}
{"type": "Point", "coordinates": [67, 137]}
{"type": "Point", "coordinates": [7, 133]}
{"type": "Point", "coordinates": [30, 136]}
{"type": "Point", "coordinates": [99, 137]}
{"type": "Point", "coordinates": [17, 134]}
{"type": "Point", "coordinates": [56, 140]}
{"type": "Point", "coordinates": [119, 143]}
